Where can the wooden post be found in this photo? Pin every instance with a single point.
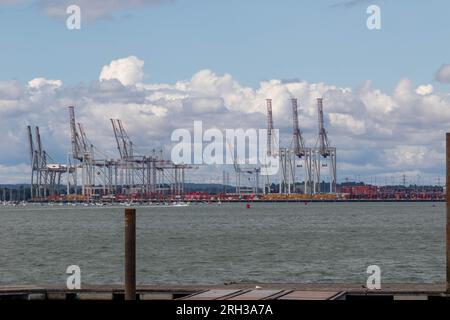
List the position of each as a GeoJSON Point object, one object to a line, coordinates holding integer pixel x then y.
{"type": "Point", "coordinates": [447, 201]}
{"type": "Point", "coordinates": [130, 254]}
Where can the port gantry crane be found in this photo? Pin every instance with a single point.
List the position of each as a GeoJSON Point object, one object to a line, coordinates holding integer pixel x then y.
{"type": "Point", "coordinates": [287, 156]}
{"type": "Point", "coordinates": [38, 159]}
{"type": "Point", "coordinates": [150, 175]}
{"type": "Point", "coordinates": [239, 171]}
{"type": "Point", "coordinates": [323, 149]}
{"type": "Point", "coordinates": [125, 148]}
{"type": "Point", "coordinates": [300, 150]}
{"type": "Point", "coordinates": [45, 176]}
{"type": "Point", "coordinates": [91, 169]}
{"type": "Point", "coordinates": [323, 154]}
{"type": "Point", "coordinates": [272, 147]}
{"type": "Point", "coordinates": [274, 151]}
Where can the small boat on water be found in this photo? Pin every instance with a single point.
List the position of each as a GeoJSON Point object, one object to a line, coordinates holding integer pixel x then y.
{"type": "Point", "coordinates": [179, 204]}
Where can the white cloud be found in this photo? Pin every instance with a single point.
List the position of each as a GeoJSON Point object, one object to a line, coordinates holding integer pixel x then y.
{"type": "Point", "coordinates": [10, 90]}
{"type": "Point", "coordinates": [94, 9]}
{"type": "Point", "coordinates": [424, 90]}
{"type": "Point", "coordinates": [404, 156]}
{"type": "Point", "coordinates": [378, 104]}
{"type": "Point", "coordinates": [443, 74]}
{"type": "Point", "coordinates": [14, 173]}
{"type": "Point", "coordinates": [38, 83]}
{"type": "Point", "coordinates": [347, 123]}
{"type": "Point", "coordinates": [376, 133]}
{"type": "Point", "coordinates": [128, 71]}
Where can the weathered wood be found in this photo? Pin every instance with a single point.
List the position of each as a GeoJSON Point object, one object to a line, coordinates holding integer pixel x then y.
{"type": "Point", "coordinates": [95, 296]}
{"type": "Point", "coordinates": [233, 291]}
{"type": "Point", "coordinates": [213, 295]}
{"type": "Point", "coordinates": [352, 287]}
{"type": "Point", "coordinates": [156, 296]}
{"type": "Point", "coordinates": [130, 254]}
{"type": "Point", "coordinates": [309, 295]}
{"type": "Point", "coordinates": [257, 295]}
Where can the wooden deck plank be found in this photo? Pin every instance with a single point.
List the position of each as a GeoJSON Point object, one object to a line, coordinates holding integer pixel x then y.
{"type": "Point", "coordinates": [309, 295]}
{"type": "Point", "coordinates": [156, 296]}
{"type": "Point", "coordinates": [349, 287]}
{"type": "Point", "coordinates": [224, 291]}
{"type": "Point", "coordinates": [212, 295]}
{"type": "Point", "coordinates": [95, 296]}
{"type": "Point", "coordinates": [256, 295]}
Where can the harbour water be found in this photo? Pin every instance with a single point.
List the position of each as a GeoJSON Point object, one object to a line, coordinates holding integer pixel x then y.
{"type": "Point", "coordinates": [213, 244]}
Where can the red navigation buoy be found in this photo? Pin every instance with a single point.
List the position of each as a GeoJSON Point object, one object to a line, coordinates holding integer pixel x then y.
{"type": "Point", "coordinates": [306, 203]}
{"type": "Point", "coordinates": [248, 206]}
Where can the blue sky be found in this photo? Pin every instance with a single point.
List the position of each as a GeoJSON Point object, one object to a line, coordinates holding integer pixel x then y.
{"type": "Point", "coordinates": [161, 64]}
{"type": "Point", "coordinates": [252, 40]}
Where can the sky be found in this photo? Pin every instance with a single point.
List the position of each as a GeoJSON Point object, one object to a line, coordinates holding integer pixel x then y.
{"type": "Point", "coordinates": [161, 64]}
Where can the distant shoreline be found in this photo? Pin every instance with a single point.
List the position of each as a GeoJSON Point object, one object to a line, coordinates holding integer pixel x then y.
{"type": "Point", "coordinates": [250, 201]}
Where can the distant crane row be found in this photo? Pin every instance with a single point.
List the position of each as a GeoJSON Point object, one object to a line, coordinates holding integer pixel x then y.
{"type": "Point", "coordinates": [152, 177]}
{"type": "Point", "coordinates": [132, 176]}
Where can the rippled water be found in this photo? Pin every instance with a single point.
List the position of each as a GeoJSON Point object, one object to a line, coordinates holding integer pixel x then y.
{"type": "Point", "coordinates": [319, 242]}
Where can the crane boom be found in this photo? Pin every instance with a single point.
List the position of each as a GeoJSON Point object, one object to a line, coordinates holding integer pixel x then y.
{"type": "Point", "coordinates": [323, 139]}
{"type": "Point", "coordinates": [124, 144]}
{"type": "Point", "coordinates": [39, 147]}
{"type": "Point", "coordinates": [124, 138]}
{"type": "Point", "coordinates": [83, 139]}
{"type": "Point", "coordinates": [299, 144]}
{"type": "Point", "coordinates": [75, 138]}
{"type": "Point", "coordinates": [116, 135]}
{"type": "Point", "coordinates": [269, 127]}
{"type": "Point", "coordinates": [31, 145]}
